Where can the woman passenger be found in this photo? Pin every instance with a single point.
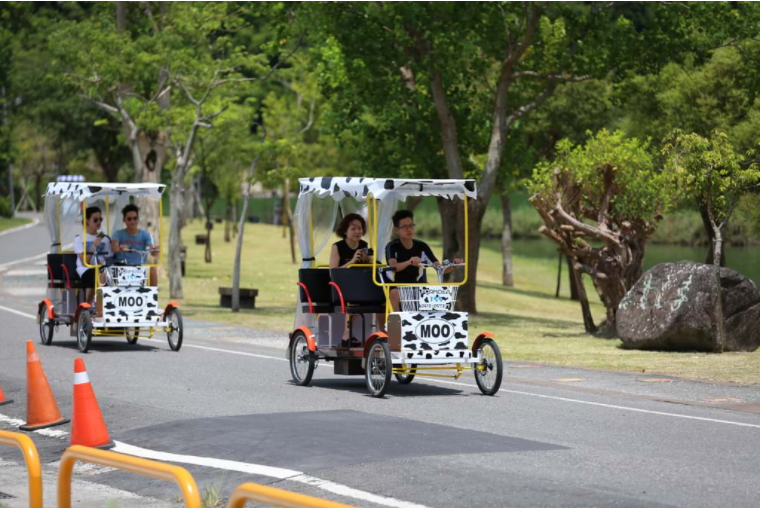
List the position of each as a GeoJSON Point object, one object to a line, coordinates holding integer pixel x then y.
{"type": "Point", "coordinates": [351, 249]}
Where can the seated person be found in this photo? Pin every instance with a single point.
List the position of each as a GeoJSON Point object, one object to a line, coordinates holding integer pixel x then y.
{"type": "Point", "coordinates": [96, 251]}
{"type": "Point", "coordinates": [406, 254]}
{"type": "Point", "coordinates": [132, 238]}
{"type": "Point", "coordinates": [351, 249]}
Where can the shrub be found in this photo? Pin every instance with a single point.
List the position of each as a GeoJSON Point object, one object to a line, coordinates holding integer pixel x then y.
{"type": "Point", "coordinates": [5, 207]}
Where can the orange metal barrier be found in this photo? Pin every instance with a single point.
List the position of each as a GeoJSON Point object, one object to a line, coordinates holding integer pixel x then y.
{"type": "Point", "coordinates": [132, 464]}
{"type": "Point", "coordinates": [32, 460]}
{"type": "Point", "coordinates": [275, 497]}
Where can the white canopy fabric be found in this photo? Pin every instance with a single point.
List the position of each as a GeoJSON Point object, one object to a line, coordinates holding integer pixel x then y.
{"type": "Point", "coordinates": [85, 190]}
{"type": "Point", "coordinates": [382, 189]}
{"type": "Point", "coordinates": [63, 206]}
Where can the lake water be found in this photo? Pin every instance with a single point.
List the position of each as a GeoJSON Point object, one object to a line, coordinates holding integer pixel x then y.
{"type": "Point", "coordinates": [742, 259]}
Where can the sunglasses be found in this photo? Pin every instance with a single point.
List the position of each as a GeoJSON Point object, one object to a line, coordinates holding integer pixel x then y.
{"type": "Point", "coordinates": [97, 219]}
{"type": "Point", "coordinates": [406, 227]}
{"type": "Point", "coordinates": [131, 218]}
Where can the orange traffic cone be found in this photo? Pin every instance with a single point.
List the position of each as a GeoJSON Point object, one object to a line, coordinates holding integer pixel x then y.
{"type": "Point", "coordinates": [4, 401]}
{"type": "Point", "coordinates": [41, 407]}
{"type": "Point", "coordinates": [87, 425]}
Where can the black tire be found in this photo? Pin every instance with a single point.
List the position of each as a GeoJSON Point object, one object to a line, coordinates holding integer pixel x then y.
{"type": "Point", "coordinates": [378, 368]}
{"type": "Point", "coordinates": [175, 329]}
{"type": "Point", "coordinates": [46, 326]}
{"type": "Point", "coordinates": [84, 330]}
{"type": "Point", "coordinates": [301, 360]}
{"type": "Point", "coordinates": [131, 334]}
{"type": "Point", "coordinates": [406, 379]}
{"type": "Point", "coordinates": [489, 374]}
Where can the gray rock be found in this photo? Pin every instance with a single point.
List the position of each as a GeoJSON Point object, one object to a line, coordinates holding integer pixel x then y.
{"type": "Point", "coordinates": [672, 307]}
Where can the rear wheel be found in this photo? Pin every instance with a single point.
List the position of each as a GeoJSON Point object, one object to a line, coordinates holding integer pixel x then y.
{"type": "Point", "coordinates": [84, 330]}
{"type": "Point", "coordinates": [489, 373]}
{"type": "Point", "coordinates": [174, 329]}
{"type": "Point", "coordinates": [131, 333]}
{"type": "Point", "coordinates": [378, 368]}
{"type": "Point", "coordinates": [46, 326]}
{"type": "Point", "coordinates": [302, 361]}
{"type": "Point", "coordinates": [406, 379]}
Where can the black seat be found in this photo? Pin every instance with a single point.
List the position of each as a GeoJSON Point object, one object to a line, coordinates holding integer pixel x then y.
{"type": "Point", "coordinates": [69, 270]}
{"type": "Point", "coordinates": [56, 278]}
{"type": "Point", "coordinates": [360, 293]}
{"type": "Point", "coordinates": [316, 282]}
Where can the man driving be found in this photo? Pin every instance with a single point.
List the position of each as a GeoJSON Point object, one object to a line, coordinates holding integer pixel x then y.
{"type": "Point", "coordinates": [126, 242]}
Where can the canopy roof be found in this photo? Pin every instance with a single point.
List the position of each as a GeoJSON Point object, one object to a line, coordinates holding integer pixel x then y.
{"type": "Point", "coordinates": [359, 187]}
{"type": "Point", "coordinates": [80, 191]}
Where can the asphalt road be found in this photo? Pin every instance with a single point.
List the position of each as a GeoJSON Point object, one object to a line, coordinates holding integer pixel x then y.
{"type": "Point", "coordinates": [550, 437]}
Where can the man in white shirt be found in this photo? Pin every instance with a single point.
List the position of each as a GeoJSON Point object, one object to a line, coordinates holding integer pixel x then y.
{"type": "Point", "coordinates": [95, 250]}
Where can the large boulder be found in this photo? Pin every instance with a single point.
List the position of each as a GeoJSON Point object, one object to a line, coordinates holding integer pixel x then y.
{"type": "Point", "coordinates": [673, 307]}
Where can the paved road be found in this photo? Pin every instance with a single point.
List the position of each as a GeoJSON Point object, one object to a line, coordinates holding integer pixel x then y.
{"type": "Point", "coordinates": [551, 437]}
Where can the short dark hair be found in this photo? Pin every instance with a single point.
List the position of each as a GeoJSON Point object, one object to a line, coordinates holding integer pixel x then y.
{"type": "Point", "coordinates": [89, 211]}
{"type": "Point", "coordinates": [400, 215]}
{"type": "Point", "coordinates": [130, 208]}
{"type": "Point", "coordinates": [341, 231]}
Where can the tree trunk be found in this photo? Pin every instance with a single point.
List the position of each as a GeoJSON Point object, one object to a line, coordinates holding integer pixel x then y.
{"type": "Point", "coordinates": [719, 321]}
{"type": "Point", "coordinates": [506, 237]}
{"type": "Point", "coordinates": [573, 292]}
{"type": "Point", "coordinates": [710, 234]}
{"type": "Point", "coordinates": [208, 247]}
{"type": "Point", "coordinates": [236, 297]}
{"type": "Point", "coordinates": [560, 266]}
{"type": "Point", "coordinates": [177, 206]}
{"type": "Point", "coordinates": [228, 212]}
{"type": "Point", "coordinates": [289, 219]}
{"type": "Point", "coordinates": [449, 209]}
{"type": "Point", "coordinates": [587, 317]}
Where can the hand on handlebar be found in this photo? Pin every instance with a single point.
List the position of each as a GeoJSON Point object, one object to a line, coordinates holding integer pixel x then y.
{"type": "Point", "coordinates": [416, 261]}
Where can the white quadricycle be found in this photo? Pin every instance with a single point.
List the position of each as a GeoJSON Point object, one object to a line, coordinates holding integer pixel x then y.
{"type": "Point", "coordinates": [337, 307]}
{"type": "Point", "coordinates": [126, 306]}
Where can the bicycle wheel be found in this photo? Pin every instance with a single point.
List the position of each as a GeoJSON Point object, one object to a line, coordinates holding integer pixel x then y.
{"type": "Point", "coordinates": [302, 361]}
{"type": "Point", "coordinates": [406, 379]}
{"type": "Point", "coordinates": [489, 373]}
{"type": "Point", "coordinates": [131, 334]}
{"type": "Point", "coordinates": [174, 329]}
{"type": "Point", "coordinates": [84, 330]}
{"type": "Point", "coordinates": [46, 326]}
{"type": "Point", "coordinates": [378, 368]}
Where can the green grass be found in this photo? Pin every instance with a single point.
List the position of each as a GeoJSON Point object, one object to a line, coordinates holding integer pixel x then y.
{"type": "Point", "coordinates": [6, 223]}
{"type": "Point", "coordinates": [530, 323]}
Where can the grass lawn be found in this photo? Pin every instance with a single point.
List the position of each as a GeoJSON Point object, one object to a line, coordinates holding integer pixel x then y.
{"type": "Point", "coordinates": [6, 223]}
{"type": "Point", "coordinates": [531, 324]}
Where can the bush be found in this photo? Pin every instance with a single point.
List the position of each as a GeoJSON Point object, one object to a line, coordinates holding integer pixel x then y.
{"type": "Point", "coordinates": [5, 207]}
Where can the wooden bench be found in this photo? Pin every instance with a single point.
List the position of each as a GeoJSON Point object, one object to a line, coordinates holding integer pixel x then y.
{"type": "Point", "coordinates": [246, 297]}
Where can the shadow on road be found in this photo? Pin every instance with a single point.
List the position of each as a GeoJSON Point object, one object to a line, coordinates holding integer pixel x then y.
{"type": "Point", "coordinates": [357, 385]}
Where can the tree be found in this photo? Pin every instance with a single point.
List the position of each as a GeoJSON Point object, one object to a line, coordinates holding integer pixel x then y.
{"type": "Point", "coordinates": [713, 174]}
{"type": "Point", "coordinates": [454, 67]}
{"type": "Point", "coordinates": [172, 72]}
{"type": "Point", "coordinates": [600, 202]}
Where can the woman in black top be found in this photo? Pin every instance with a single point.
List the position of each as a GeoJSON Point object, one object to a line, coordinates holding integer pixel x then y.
{"type": "Point", "coordinates": [351, 249]}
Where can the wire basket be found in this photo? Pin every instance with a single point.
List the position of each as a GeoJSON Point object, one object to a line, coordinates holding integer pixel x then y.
{"type": "Point", "coordinates": [118, 275]}
{"type": "Point", "coordinates": [428, 298]}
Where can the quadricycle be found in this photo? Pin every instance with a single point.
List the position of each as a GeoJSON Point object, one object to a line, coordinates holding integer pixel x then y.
{"type": "Point", "coordinates": [345, 315]}
{"type": "Point", "coordinates": [117, 298]}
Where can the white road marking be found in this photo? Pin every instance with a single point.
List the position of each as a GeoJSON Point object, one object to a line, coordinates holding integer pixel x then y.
{"type": "Point", "coordinates": [35, 222]}
{"type": "Point", "coordinates": [27, 272]}
{"type": "Point", "coordinates": [617, 407]}
{"type": "Point", "coordinates": [263, 470]}
{"type": "Point", "coordinates": [557, 398]}
{"type": "Point", "coordinates": [22, 260]}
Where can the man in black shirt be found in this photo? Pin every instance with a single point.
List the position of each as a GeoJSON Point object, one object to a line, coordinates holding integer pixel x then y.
{"type": "Point", "coordinates": [406, 254]}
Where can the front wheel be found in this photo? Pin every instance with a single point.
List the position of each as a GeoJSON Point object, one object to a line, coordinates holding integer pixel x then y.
{"type": "Point", "coordinates": [131, 333]}
{"type": "Point", "coordinates": [406, 379]}
{"type": "Point", "coordinates": [489, 373]}
{"type": "Point", "coordinates": [46, 326]}
{"type": "Point", "coordinates": [84, 330]}
{"type": "Point", "coordinates": [174, 329]}
{"type": "Point", "coordinates": [302, 361]}
{"type": "Point", "coordinates": [378, 368]}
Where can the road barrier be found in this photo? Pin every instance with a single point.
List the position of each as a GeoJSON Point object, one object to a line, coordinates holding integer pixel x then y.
{"type": "Point", "coordinates": [275, 497]}
{"type": "Point", "coordinates": [139, 466]}
{"type": "Point", "coordinates": [32, 460]}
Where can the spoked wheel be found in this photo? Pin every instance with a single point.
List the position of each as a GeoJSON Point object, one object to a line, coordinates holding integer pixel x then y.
{"type": "Point", "coordinates": [46, 326]}
{"type": "Point", "coordinates": [489, 373]}
{"type": "Point", "coordinates": [84, 330]}
{"type": "Point", "coordinates": [378, 368]}
{"type": "Point", "coordinates": [131, 333]}
{"type": "Point", "coordinates": [174, 329]}
{"type": "Point", "coordinates": [406, 379]}
{"type": "Point", "coordinates": [302, 361]}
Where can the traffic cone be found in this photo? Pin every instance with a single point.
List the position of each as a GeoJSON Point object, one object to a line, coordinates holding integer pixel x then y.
{"type": "Point", "coordinates": [87, 425]}
{"type": "Point", "coordinates": [41, 407]}
{"type": "Point", "coordinates": [4, 401]}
